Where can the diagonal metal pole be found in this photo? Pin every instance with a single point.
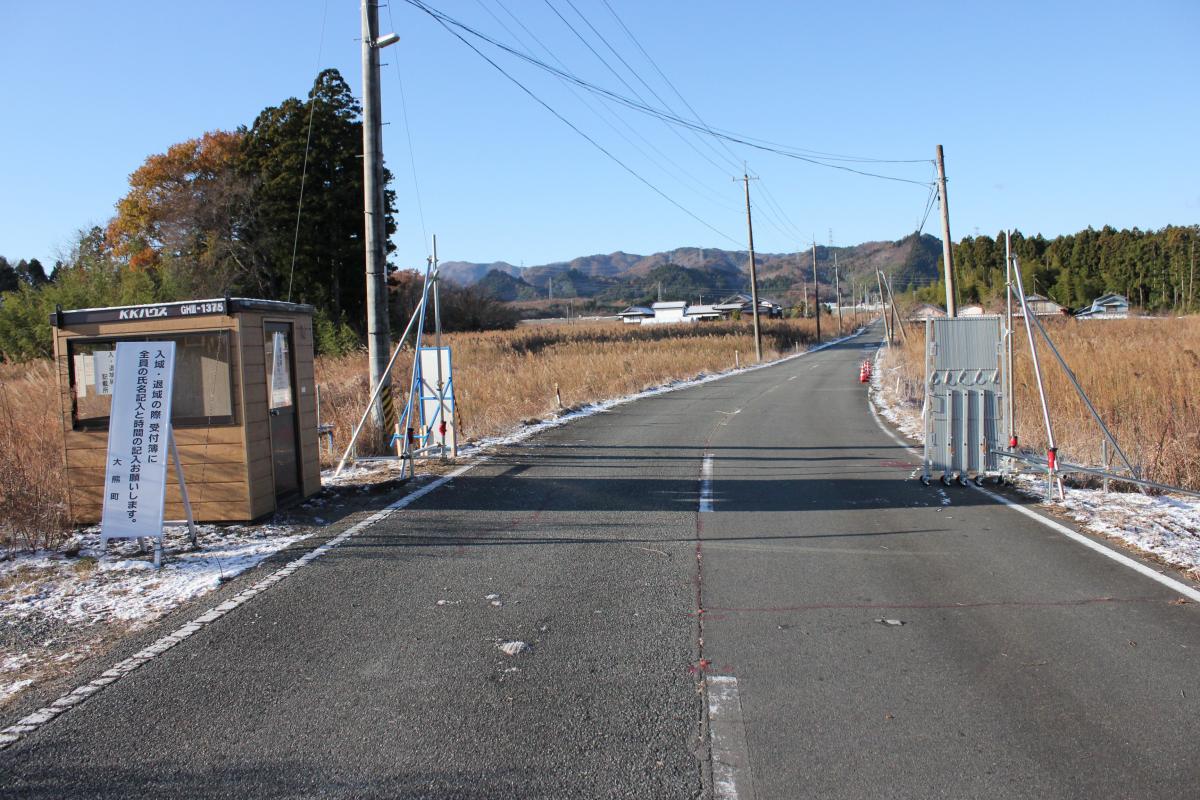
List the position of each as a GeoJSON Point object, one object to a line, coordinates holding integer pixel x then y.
{"type": "Point", "coordinates": [1083, 396]}
{"type": "Point", "coordinates": [377, 391]}
{"type": "Point", "coordinates": [1037, 371]}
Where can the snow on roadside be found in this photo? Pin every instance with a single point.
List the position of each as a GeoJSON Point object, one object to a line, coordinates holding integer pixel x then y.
{"type": "Point", "coordinates": [380, 470]}
{"type": "Point", "coordinates": [605, 405]}
{"type": "Point", "coordinates": [1165, 527]}
{"type": "Point", "coordinates": [97, 590]}
{"type": "Point", "coordinates": [53, 604]}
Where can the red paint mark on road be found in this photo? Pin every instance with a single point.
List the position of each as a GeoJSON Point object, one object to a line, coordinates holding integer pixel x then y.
{"type": "Point", "coordinates": [933, 606]}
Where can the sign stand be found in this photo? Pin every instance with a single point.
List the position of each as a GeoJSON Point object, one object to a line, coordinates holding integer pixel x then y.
{"type": "Point", "coordinates": [139, 433]}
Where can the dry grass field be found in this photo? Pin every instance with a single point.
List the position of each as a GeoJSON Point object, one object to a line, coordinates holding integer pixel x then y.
{"type": "Point", "coordinates": [32, 483]}
{"type": "Point", "coordinates": [502, 378]}
{"type": "Point", "coordinates": [505, 377]}
{"type": "Point", "coordinates": [1143, 376]}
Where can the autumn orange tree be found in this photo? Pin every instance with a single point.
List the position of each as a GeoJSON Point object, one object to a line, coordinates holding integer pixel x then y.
{"type": "Point", "coordinates": [182, 215]}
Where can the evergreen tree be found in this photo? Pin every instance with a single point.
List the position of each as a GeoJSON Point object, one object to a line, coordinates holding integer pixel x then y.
{"type": "Point", "coordinates": [330, 249]}
{"type": "Point", "coordinates": [8, 276]}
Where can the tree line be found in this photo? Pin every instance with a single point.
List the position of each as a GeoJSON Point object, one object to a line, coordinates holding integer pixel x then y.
{"type": "Point", "coordinates": [216, 216]}
{"type": "Point", "coordinates": [1154, 269]}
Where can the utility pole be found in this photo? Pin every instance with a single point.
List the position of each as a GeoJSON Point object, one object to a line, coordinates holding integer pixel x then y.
{"type": "Point", "coordinates": [816, 292]}
{"type": "Point", "coordinates": [947, 257]}
{"type": "Point", "coordinates": [753, 270]}
{"type": "Point", "coordinates": [660, 291]}
{"type": "Point", "coordinates": [888, 283]}
{"type": "Point", "coordinates": [886, 329]}
{"type": "Point", "coordinates": [375, 210]}
{"type": "Point", "coordinates": [837, 293]}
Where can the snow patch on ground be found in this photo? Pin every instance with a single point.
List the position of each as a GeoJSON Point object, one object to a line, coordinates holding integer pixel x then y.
{"type": "Point", "coordinates": [118, 587]}
{"type": "Point", "coordinates": [1166, 527]}
{"type": "Point", "coordinates": [114, 588]}
{"type": "Point", "coordinates": [600, 407]}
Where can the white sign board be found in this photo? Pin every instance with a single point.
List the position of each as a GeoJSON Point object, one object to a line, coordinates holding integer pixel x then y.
{"type": "Point", "coordinates": [281, 379]}
{"type": "Point", "coordinates": [437, 406]}
{"type": "Point", "coordinates": [105, 368]}
{"type": "Point", "coordinates": [139, 430]}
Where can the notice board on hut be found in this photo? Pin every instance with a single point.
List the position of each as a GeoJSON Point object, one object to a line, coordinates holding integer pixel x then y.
{"type": "Point", "coordinates": [244, 409]}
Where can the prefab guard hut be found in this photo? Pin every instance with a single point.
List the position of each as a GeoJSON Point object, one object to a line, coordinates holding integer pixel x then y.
{"type": "Point", "coordinates": [244, 406]}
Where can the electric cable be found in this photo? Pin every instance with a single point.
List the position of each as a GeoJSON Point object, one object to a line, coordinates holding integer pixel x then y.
{"type": "Point", "coordinates": [312, 107]}
{"type": "Point", "coordinates": [453, 26]}
{"type": "Point", "coordinates": [575, 128]}
{"type": "Point", "coordinates": [412, 159]}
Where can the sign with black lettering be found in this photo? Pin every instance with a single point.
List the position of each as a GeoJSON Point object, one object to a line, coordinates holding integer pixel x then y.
{"type": "Point", "coordinates": [135, 476]}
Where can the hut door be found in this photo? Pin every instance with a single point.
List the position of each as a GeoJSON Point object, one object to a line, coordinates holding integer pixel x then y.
{"type": "Point", "coordinates": [281, 401]}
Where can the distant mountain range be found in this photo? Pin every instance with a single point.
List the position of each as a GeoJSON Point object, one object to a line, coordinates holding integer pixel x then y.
{"type": "Point", "coordinates": [690, 273]}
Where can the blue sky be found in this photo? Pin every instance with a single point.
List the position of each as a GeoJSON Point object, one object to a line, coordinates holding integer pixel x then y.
{"type": "Point", "coordinates": [1054, 116]}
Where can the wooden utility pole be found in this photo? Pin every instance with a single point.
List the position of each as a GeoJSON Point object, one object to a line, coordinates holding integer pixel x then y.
{"type": "Point", "coordinates": [375, 210]}
{"type": "Point", "coordinates": [816, 293]}
{"type": "Point", "coordinates": [837, 293]}
{"type": "Point", "coordinates": [947, 256]}
{"type": "Point", "coordinates": [753, 270]}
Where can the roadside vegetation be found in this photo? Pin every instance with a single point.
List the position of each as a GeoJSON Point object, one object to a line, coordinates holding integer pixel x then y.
{"type": "Point", "coordinates": [503, 378]}
{"type": "Point", "coordinates": [1143, 376]}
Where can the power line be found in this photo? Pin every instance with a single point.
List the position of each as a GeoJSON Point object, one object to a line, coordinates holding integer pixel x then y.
{"type": "Point", "coordinates": [448, 23]}
{"type": "Point", "coordinates": [657, 96]}
{"type": "Point", "coordinates": [312, 107]}
{"type": "Point", "coordinates": [682, 175]}
{"type": "Point", "coordinates": [570, 124]}
{"type": "Point", "coordinates": [412, 159]}
{"type": "Point", "coordinates": [695, 114]}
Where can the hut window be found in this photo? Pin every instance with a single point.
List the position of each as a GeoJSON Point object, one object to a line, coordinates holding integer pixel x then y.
{"type": "Point", "coordinates": [203, 393]}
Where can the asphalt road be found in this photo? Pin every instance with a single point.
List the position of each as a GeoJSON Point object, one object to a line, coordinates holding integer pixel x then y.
{"type": "Point", "coordinates": [1026, 665]}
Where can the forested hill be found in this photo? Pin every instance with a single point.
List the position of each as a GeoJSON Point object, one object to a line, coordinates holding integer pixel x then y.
{"type": "Point", "coordinates": [1156, 270]}
{"type": "Point", "coordinates": [691, 272]}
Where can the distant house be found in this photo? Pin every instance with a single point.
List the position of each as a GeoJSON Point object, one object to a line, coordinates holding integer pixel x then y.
{"type": "Point", "coordinates": [667, 313]}
{"type": "Point", "coordinates": [1110, 306]}
{"type": "Point", "coordinates": [635, 314]}
{"type": "Point", "coordinates": [702, 312]}
{"type": "Point", "coordinates": [744, 304]}
{"type": "Point", "coordinates": [971, 310]}
{"type": "Point", "coordinates": [926, 311]}
{"type": "Point", "coordinates": [1041, 306]}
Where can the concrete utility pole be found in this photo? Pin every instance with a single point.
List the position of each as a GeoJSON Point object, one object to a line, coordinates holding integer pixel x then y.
{"type": "Point", "coordinates": [886, 328]}
{"type": "Point", "coordinates": [816, 293]}
{"type": "Point", "coordinates": [375, 211]}
{"type": "Point", "coordinates": [753, 270]}
{"type": "Point", "coordinates": [947, 257]}
{"type": "Point", "coordinates": [837, 293]}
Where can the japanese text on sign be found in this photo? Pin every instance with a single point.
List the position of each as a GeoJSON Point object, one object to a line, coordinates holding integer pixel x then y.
{"type": "Point", "coordinates": [139, 423]}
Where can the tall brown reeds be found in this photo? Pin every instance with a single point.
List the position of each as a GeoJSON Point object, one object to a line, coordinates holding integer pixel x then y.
{"type": "Point", "coordinates": [505, 377]}
{"type": "Point", "coordinates": [32, 484]}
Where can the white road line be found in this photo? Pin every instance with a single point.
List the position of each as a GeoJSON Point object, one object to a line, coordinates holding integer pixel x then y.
{"type": "Point", "coordinates": [793, 377]}
{"type": "Point", "coordinates": [732, 779]}
{"type": "Point", "coordinates": [32, 722]}
{"type": "Point", "coordinates": [27, 725]}
{"type": "Point", "coordinates": [706, 495]}
{"type": "Point", "coordinates": [1122, 559]}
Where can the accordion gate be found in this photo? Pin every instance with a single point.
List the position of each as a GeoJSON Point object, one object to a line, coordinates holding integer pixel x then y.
{"type": "Point", "coordinates": [964, 398]}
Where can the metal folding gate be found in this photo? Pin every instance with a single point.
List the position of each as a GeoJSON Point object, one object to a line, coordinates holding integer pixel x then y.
{"type": "Point", "coordinates": [964, 410]}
